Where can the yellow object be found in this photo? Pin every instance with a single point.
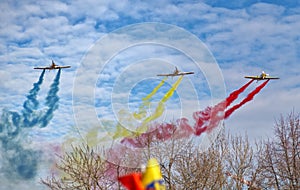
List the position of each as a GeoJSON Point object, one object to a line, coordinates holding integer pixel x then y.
{"type": "Point", "coordinates": [128, 119]}
{"type": "Point", "coordinates": [161, 107]}
{"type": "Point", "coordinates": [152, 178]}
{"type": "Point", "coordinates": [142, 112]}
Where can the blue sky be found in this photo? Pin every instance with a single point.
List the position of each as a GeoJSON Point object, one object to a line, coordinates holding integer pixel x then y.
{"type": "Point", "coordinates": [244, 37]}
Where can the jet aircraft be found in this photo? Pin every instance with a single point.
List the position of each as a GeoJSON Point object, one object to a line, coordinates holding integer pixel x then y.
{"type": "Point", "coordinates": [53, 66]}
{"type": "Point", "coordinates": [262, 76]}
{"type": "Point", "coordinates": [176, 73]}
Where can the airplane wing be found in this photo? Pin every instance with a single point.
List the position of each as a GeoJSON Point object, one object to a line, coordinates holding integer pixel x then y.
{"type": "Point", "coordinates": [252, 77]}
{"type": "Point", "coordinates": [269, 77]}
{"type": "Point", "coordinates": [62, 67]}
{"type": "Point", "coordinates": [185, 73]}
{"type": "Point", "coordinates": [177, 74]}
{"type": "Point", "coordinates": [56, 67]}
{"type": "Point", "coordinates": [260, 78]}
{"type": "Point", "coordinates": [41, 68]}
{"type": "Point", "coordinates": [165, 75]}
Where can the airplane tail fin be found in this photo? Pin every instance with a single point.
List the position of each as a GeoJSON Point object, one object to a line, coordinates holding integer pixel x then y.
{"type": "Point", "coordinates": [176, 70]}
{"type": "Point", "coordinates": [53, 64]}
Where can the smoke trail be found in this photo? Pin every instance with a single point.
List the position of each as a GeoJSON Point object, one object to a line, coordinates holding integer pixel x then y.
{"type": "Point", "coordinates": [247, 99]}
{"type": "Point", "coordinates": [128, 120]}
{"type": "Point", "coordinates": [32, 103]}
{"type": "Point", "coordinates": [157, 132]}
{"type": "Point", "coordinates": [51, 101]}
{"type": "Point", "coordinates": [206, 120]}
{"type": "Point", "coordinates": [142, 113]}
{"type": "Point", "coordinates": [154, 90]}
{"type": "Point", "coordinates": [161, 105]}
{"type": "Point", "coordinates": [234, 95]}
{"type": "Point", "coordinates": [9, 126]}
{"type": "Point", "coordinates": [125, 119]}
{"type": "Point", "coordinates": [209, 118]}
{"type": "Point", "coordinates": [19, 162]}
{"type": "Point", "coordinates": [11, 122]}
{"type": "Point", "coordinates": [123, 132]}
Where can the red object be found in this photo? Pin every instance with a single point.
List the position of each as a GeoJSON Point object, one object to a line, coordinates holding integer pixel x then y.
{"type": "Point", "coordinates": [132, 181]}
{"type": "Point", "coordinates": [247, 99]}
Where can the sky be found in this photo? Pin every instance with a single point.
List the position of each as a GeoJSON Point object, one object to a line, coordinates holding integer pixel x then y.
{"type": "Point", "coordinates": [116, 48]}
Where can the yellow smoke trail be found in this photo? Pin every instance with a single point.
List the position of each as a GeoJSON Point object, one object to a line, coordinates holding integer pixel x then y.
{"type": "Point", "coordinates": [125, 126]}
{"type": "Point", "coordinates": [91, 136]}
{"type": "Point", "coordinates": [121, 132]}
{"type": "Point", "coordinates": [128, 120]}
{"type": "Point", "coordinates": [161, 106]}
{"type": "Point", "coordinates": [142, 112]}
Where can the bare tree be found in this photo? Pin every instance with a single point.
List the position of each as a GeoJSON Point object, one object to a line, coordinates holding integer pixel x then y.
{"type": "Point", "coordinates": [281, 156]}
{"type": "Point", "coordinates": [200, 170]}
{"type": "Point", "coordinates": [229, 163]}
{"type": "Point", "coordinates": [239, 160]}
{"type": "Point", "coordinates": [174, 152]}
{"type": "Point", "coordinates": [82, 168]}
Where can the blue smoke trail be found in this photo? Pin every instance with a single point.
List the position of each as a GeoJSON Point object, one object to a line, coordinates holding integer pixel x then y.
{"type": "Point", "coordinates": [31, 104]}
{"type": "Point", "coordinates": [51, 101]}
{"type": "Point", "coordinates": [19, 162]}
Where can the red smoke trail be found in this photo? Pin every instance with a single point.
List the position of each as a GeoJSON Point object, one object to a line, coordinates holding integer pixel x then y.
{"type": "Point", "coordinates": [161, 132]}
{"type": "Point", "coordinates": [247, 99]}
{"type": "Point", "coordinates": [206, 120]}
{"type": "Point", "coordinates": [156, 133]}
{"type": "Point", "coordinates": [209, 118]}
{"type": "Point", "coordinates": [234, 95]}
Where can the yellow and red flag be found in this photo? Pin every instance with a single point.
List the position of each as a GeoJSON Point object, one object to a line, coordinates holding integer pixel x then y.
{"type": "Point", "coordinates": [150, 179]}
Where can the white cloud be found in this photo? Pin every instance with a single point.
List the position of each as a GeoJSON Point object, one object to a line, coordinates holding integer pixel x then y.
{"type": "Point", "coordinates": [244, 41]}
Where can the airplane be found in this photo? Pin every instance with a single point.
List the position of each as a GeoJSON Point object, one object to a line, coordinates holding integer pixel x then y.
{"type": "Point", "coordinates": [262, 76]}
{"type": "Point", "coordinates": [176, 73]}
{"type": "Point", "coordinates": [53, 66]}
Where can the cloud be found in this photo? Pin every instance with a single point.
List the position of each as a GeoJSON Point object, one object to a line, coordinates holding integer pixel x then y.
{"type": "Point", "coordinates": [138, 56]}
{"type": "Point", "coordinates": [245, 37]}
{"type": "Point", "coordinates": [62, 31]}
{"type": "Point", "coordinates": [236, 4]}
